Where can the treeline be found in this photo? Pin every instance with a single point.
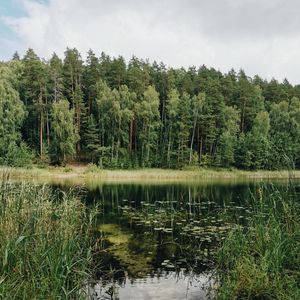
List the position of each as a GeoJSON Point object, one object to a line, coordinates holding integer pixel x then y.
{"type": "Point", "coordinates": [121, 115]}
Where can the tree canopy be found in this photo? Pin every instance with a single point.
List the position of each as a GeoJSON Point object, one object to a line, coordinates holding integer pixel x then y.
{"type": "Point", "coordinates": [121, 114]}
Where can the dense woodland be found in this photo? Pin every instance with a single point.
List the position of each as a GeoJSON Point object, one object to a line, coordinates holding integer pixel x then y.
{"type": "Point", "coordinates": [140, 114]}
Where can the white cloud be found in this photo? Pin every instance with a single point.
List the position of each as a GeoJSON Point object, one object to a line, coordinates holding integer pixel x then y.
{"type": "Point", "coordinates": [259, 36]}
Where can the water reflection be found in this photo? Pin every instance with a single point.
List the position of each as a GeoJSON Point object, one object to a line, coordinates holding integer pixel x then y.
{"type": "Point", "coordinates": [159, 241]}
{"type": "Point", "coordinates": [167, 285]}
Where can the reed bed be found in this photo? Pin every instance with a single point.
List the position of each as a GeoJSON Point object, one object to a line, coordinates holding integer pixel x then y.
{"type": "Point", "coordinates": [86, 173]}
{"type": "Point", "coordinates": [262, 261]}
{"type": "Point", "coordinates": [45, 243]}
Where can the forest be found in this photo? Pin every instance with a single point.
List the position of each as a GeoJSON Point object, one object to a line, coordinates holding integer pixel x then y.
{"type": "Point", "coordinates": [137, 114]}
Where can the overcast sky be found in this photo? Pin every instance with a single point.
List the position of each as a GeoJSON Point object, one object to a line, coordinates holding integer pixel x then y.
{"type": "Point", "coordinates": [260, 36]}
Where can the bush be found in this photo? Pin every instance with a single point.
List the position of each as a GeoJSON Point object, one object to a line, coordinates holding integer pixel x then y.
{"type": "Point", "coordinates": [17, 156]}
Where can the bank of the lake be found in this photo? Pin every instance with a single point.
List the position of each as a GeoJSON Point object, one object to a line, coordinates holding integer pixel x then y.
{"type": "Point", "coordinates": [91, 172]}
{"type": "Point", "coordinates": [225, 240]}
{"type": "Point", "coordinates": [46, 243]}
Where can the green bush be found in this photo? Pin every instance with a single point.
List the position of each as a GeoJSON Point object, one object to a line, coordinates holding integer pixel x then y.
{"type": "Point", "coordinates": [16, 156]}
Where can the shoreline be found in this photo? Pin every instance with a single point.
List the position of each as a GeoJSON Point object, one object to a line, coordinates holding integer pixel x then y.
{"type": "Point", "coordinates": [83, 173]}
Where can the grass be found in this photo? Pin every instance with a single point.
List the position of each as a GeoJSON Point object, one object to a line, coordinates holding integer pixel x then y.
{"type": "Point", "coordinates": [46, 249]}
{"type": "Point", "coordinates": [45, 243]}
{"type": "Point", "coordinates": [86, 173]}
{"type": "Point", "coordinates": [262, 261]}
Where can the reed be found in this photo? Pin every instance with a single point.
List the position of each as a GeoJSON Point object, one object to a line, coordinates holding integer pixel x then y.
{"type": "Point", "coordinates": [45, 243]}
{"type": "Point", "coordinates": [262, 261]}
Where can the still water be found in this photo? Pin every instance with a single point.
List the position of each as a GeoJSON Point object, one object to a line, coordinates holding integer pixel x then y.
{"type": "Point", "coordinates": [158, 241]}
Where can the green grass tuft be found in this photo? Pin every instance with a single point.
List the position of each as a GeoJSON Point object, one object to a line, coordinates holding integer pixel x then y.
{"type": "Point", "coordinates": [45, 243]}
{"type": "Point", "coordinates": [262, 261]}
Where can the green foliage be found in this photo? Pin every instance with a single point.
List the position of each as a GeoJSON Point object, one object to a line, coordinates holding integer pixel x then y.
{"type": "Point", "coordinates": [92, 139]}
{"type": "Point", "coordinates": [46, 243]}
{"type": "Point", "coordinates": [148, 115]}
{"type": "Point", "coordinates": [63, 134]}
{"type": "Point", "coordinates": [12, 114]}
{"type": "Point", "coordinates": [17, 155]}
{"type": "Point", "coordinates": [184, 125]}
{"type": "Point", "coordinates": [228, 138]}
{"type": "Point", "coordinates": [261, 262]}
{"type": "Point", "coordinates": [149, 122]}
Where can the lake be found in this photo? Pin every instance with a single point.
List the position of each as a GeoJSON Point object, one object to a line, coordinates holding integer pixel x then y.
{"type": "Point", "coordinates": [158, 241]}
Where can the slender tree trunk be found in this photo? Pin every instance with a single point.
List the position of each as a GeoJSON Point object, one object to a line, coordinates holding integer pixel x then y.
{"type": "Point", "coordinates": [192, 140]}
{"type": "Point", "coordinates": [41, 132]}
{"type": "Point", "coordinates": [55, 89]}
{"type": "Point", "coordinates": [41, 122]}
{"type": "Point", "coordinates": [170, 144]}
{"type": "Point", "coordinates": [168, 153]}
{"type": "Point", "coordinates": [47, 124]}
{"type": "Point", "coordinates": [130, 135]}
{"type": "Point", "coordinates": [48, 129]}
{"type": "Point", "coordinates": [201, 146]}
{"type": "Point", "coordinates": [78, 126]}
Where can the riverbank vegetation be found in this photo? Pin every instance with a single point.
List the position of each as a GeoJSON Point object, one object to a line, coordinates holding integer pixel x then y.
{"type": "Point", "coordinates": [77, 174]}
{"type": "Point", "coordinates": [140, 114]}
{"type": "Point", "coordinates": [47, 240]}
{"type": "Point", "coordinates": [261, 260]}
{"type": "Point", "coordinates": [45, 243]}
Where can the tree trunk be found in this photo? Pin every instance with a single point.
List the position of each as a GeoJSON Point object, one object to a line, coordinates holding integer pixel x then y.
{"type": "Point", "coordinates": [47, 125]}
{"type": "Point", "coordinates": [200, 151]}
{"type": "Point", "coordinates": [41, 121]}
{"type": "Point", "coordinates": [192, 140]}
{"type": "Point", "coordinates": [78, 128]}
{"type": "Point", "coordinates": [130, 135]}
{"type": "Point", "coordinates": [41, 132]}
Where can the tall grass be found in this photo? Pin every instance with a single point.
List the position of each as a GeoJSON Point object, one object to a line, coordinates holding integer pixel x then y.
{"type": "Point", "coordinates": [262, 261]}
{"type": "Point", "coordinates": [81, 174]}
{"type": "Point", "coordinates": [45, 243]}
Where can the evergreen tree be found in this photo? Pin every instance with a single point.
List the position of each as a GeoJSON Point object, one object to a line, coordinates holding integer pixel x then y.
{"type": "Point", "coordinates": [91, 76]}
{"type": "Point", "coordinates": [56, 78]}
{"type": "Point", "coordinates": [92, 140]}
{"type": "Point", "coordinates": [142, 114]}
{"type": "Point", "coordinates": [35, 99]}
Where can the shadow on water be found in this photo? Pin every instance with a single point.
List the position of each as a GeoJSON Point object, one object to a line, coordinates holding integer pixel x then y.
{"type": "Point", "coordinates": [159, 241]}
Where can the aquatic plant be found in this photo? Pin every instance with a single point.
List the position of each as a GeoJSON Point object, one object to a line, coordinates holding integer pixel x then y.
{"type": "Point", "coordinates": [262, 261]}
{"type": "Point", "coordinates": [45, 243]}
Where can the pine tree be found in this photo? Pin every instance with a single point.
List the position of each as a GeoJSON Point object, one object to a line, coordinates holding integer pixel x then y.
{"type": "Point", "coordinates": [35, 98]}
{"type": "Point", "coordinates": [56, 78]}
{"type": "Point", "coordinates": [92, 140]}
{"type": "Point", "coordinates": [91, 76]}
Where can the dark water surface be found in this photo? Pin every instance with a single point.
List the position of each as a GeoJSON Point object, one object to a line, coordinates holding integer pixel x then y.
{"type": "Point", "coordinates": [159, 241]}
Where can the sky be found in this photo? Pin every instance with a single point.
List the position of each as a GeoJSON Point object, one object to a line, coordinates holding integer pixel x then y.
{"type": "Point", "coordinates": [260, 36]}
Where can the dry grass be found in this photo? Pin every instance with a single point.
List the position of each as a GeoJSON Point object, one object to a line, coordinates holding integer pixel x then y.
{"type": "Point", "coordinates": [81, 174]}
